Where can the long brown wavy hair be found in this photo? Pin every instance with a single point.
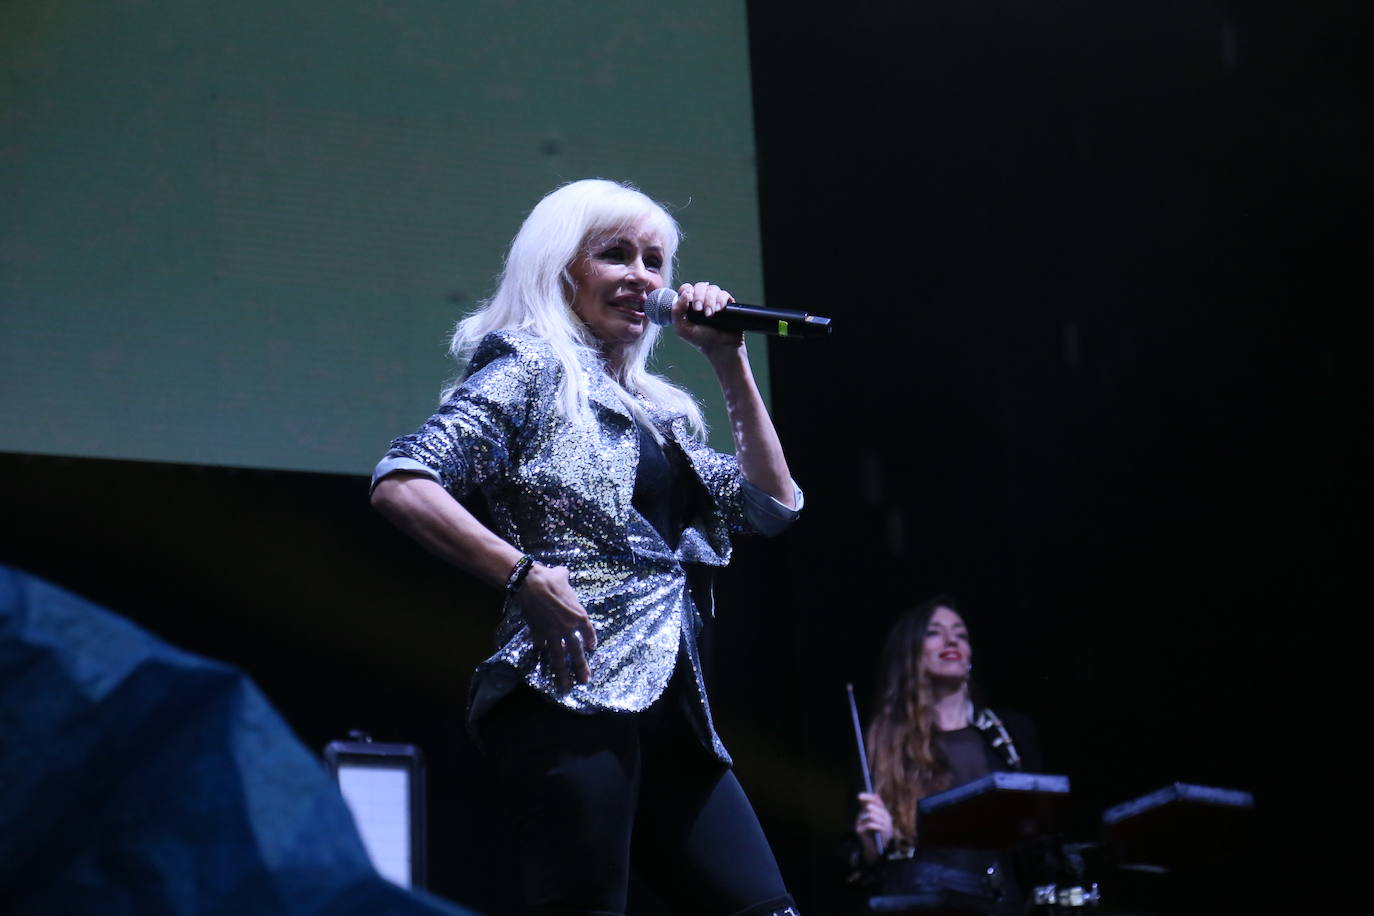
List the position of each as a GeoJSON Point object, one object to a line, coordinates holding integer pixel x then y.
{"type": "Point", "coordinates": [907, 765]}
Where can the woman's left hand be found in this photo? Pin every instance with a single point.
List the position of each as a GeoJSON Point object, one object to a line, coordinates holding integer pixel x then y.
{"type": "Point", "coordinates": [703, 299]}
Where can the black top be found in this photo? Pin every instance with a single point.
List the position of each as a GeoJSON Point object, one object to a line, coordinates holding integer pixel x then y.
{"type": "Point", "coordinates": [967, 754]}
{"type": "Point", "coordinates": [661, 492]}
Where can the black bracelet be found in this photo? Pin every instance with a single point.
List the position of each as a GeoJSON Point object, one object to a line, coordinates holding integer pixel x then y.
{"type": "Point", "coordinates": [519, 572]}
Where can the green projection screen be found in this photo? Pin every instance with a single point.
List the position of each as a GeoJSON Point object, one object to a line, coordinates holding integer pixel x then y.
{"type": "Point", "coordinates": [240, 233]}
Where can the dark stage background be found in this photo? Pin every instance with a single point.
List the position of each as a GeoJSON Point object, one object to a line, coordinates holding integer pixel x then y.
{"type": "Point", "coordinates": [1095, 272]}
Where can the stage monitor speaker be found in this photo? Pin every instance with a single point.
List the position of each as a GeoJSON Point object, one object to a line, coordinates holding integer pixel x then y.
{"type": "Point", "coordinates": [384, 787]}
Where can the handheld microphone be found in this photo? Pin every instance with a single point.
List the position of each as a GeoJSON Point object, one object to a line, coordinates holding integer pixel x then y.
{"type": "Point", "coordinates": [739, 317]}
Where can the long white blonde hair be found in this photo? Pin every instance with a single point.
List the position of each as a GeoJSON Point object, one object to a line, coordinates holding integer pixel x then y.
{"type": "Point", "coordinates": [535, 290]}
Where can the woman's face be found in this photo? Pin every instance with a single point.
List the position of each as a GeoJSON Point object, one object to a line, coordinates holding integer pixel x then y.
{"type": "Point", "coordinates": [612, 281]}
{"type": "Point", "coordinates": [946, 653]}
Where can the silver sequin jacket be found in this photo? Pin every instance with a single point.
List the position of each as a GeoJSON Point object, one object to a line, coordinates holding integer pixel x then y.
{"type": "Point", "coordinates": [561, 491]}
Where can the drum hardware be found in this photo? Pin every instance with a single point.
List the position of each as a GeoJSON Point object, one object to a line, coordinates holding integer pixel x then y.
{"type": "Point", "coordinates": [1068, 897]}
{"type": "Point", "coordinates": [1145, 843]}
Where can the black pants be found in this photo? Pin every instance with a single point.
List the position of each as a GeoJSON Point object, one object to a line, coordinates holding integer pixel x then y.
{"type": "Point", "coordinates": [587, 794]}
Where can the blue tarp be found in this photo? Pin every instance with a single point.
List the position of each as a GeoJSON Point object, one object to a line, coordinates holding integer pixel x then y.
{"type": "Point", "coordinates": [137, 778]}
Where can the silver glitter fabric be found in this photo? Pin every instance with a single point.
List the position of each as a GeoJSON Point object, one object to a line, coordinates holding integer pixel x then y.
{"type": "Point", "coordinates": [561, 491]}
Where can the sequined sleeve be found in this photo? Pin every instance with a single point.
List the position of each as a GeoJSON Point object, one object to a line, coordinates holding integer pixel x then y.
{"type": "Point", "coordinates": [739, 507]}
{"type": "Point", "coordinates": [467, 443]}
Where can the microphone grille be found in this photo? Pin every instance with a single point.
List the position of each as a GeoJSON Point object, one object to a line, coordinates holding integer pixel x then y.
{"type": "Point", "coordinates": [659, 306]}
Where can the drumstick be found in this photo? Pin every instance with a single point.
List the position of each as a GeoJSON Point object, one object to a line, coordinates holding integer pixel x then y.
{"type": "Point", "coordinates": [863, 757]}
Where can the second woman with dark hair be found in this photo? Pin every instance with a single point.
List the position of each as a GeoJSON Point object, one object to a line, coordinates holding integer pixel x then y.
{"type": "Point", "coordinates": [927, 735]}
